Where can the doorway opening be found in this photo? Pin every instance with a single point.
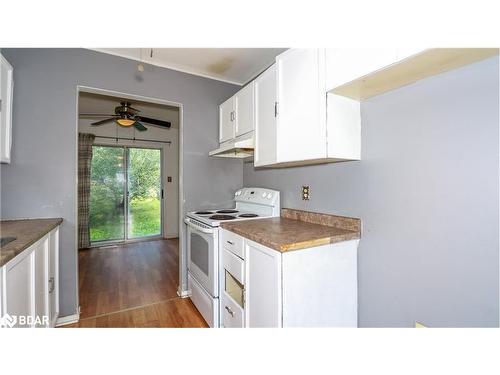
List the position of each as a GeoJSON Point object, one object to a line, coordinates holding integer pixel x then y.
{"type": "Point", "coordinates": [126, 193]}
{"type": "Point", "coordinates": [154, 262]}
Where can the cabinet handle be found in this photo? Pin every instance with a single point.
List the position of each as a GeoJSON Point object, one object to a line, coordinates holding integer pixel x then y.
{"type": "Point", "coordinates": [52, 285]}
{"type": "Point", "coordinates": [230, 243]}
{"type": "Point", "coordinates": [230, 311]}
{"type": "Point", "coordinates": [232, 115]}
{"type": "Point", "coordinates": [275, 109]}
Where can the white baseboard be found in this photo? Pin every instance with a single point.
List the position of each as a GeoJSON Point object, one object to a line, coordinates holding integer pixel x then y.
{"type": "Point", "coordinates": [183, 293]}
{"type": "Point", "coordinates": [68, 319]}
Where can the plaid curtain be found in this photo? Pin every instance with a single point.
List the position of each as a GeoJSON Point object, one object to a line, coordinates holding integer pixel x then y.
{"type": "Point", "coordinates": [85, 142]}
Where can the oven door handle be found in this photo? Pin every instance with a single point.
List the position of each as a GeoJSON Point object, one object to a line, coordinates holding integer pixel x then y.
{"type": "Point", "coordinates": [200, 229]}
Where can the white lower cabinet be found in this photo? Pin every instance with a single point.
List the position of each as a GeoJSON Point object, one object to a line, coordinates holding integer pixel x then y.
{"type": "Point", "coordinates": [263, 286]}
{"type": "Point", "coordinates": [29, 291]}
{"type": "Point", "coordinates": [314, 287]}
{"type": "Point", "coordinates": [19, 289]}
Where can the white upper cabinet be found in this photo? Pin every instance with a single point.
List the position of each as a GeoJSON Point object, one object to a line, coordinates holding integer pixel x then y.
{"type": "Point", "coordinates": [265, 118]}
{"type": "Point", "coordinates": [226, 120]}
{"type": "Point", "coordinates": [236, 115]}
{"type": "Point", "coordinates": [6, 92]}
{"type": "Point", "coordinates": [244, 113]}
{"type": "Point", "coordinates": [303, 132]}
{"type": "Point", "coordinates": [301, 100]}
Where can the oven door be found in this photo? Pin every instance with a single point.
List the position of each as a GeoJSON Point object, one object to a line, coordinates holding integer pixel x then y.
{"type": "Point", "coordinates": [203, 255]}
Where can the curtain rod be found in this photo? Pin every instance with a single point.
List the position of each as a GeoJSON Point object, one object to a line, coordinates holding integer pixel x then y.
{"type": "Point", "coordinates": [133, 139]}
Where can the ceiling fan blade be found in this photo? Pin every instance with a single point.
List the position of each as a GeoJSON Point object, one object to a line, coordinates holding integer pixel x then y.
{"type": "Point", "coordinates": [102, 122]}
{"type": "Point", "coordinates": [152, 121]}
{"type": "Point", "coordinates": [139, 126]}
{"type": "Point", "coordinates": [95, 115]}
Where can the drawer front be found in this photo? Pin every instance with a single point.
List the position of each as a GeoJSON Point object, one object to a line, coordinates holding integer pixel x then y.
{"type": "Point", "coordinates": [233, 242]}
{"type": "Point", "coordinates": [232, 313]}
{"type": "Point", "coordinates": [205, 303]}
{"type": "Point", "coordinates": [234, 265]}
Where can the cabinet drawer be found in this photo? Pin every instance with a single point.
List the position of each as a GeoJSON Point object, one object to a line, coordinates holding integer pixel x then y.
{"type": "Point", "coordinates": [232, 313]}
{"type": "Point", "coordinates": [234, 265]}
{"type": "Point", "coordinates": [233, 243]}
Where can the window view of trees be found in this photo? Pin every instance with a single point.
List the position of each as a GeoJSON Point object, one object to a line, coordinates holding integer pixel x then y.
{"type": "Point", "coordinates": [107, 193]}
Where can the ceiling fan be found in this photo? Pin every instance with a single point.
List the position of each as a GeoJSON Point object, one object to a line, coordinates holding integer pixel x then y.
{"type": "Point", "coordinates": [127, 116]}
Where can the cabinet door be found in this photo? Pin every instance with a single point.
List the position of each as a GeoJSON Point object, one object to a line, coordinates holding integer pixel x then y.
{"type": "Point", "coordinates": [301, 105]}
{"type": "Point", "coordinates": [244, 104]}
{"type": "Point", "coordinates": [19, 289]}
{"type": "Point", "coordinates": [6, 91]}
{"type": "Point", "coordinates": [265, 118]}
{"type": "Point", "coordinates": [41, 284]}
{"type": "Point", "coordinates": [226, 121]}
{"type": "Point", "coordinates": [53, 279]}
{"type": "Point", "coordinates": [347, 64]}
{"type": "Point", "coordinates": [263, 306]}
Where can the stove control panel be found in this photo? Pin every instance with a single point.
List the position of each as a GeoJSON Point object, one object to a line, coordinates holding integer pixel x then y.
{"type": "Point", "coordinates": [266, 197]}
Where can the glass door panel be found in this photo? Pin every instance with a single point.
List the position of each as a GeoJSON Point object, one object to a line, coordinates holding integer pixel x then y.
{"type": "Point", "coordinates": [107, 194]}
{"type": "Point", "coordinates": [144, 193]}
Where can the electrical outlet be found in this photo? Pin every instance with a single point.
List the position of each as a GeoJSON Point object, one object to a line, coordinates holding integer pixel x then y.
{"type": "Point", "coordinates": [306, 192]}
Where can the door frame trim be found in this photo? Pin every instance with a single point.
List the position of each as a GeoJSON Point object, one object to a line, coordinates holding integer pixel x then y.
{"type": "Point", "coordinates": [182, 256]}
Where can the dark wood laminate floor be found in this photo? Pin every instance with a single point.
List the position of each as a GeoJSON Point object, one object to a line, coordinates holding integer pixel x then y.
{"type": "Point", "coordinates": [133, 285]}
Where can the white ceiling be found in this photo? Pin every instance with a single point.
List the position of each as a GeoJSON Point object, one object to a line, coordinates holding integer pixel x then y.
{"type": "Point", "coordinates": [103, 104]}
{"type": "Point", "coordinates": [233, 65]}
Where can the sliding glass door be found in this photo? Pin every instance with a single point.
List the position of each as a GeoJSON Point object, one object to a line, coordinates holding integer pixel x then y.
{"type": "Point", "coordinates": [144, 192]}
{"type": "Point", "coordinates": [125, 193]}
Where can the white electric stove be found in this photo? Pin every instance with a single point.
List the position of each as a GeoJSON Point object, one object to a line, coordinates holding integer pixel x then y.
{"type": "Point", "coordinates": [203, 244]}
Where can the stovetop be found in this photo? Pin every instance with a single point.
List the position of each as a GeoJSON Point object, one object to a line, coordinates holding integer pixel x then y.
{"type": "Point", "coordinates": [250, 203]}
{"type": "Point", "coordinates": [215, 217]}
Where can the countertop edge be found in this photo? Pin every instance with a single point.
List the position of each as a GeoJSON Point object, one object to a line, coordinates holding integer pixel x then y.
{"type": "Point", "coordinates": [56, 222]}
{"type": "Point", "coordinates": [347, 235]}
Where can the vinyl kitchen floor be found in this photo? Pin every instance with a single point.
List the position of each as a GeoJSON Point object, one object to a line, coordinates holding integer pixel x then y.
{"type": "Point", "coordinates": [133, 285]}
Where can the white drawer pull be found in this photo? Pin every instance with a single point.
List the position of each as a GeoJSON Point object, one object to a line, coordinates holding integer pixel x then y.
{"type": "Point", "coordinates": [230, 311]}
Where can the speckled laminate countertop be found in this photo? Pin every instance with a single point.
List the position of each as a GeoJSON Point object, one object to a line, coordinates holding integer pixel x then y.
{"type": "Point", "coordinates": [27, 231]}
{"type": "Point", "coordinates": [297, 229]}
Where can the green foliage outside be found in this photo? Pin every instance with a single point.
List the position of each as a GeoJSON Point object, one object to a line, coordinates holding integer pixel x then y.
{"type": "Point", "coordinates": [107, 193]}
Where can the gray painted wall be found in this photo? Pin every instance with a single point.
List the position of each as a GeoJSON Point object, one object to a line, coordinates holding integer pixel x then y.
{"type": "Point", "coordinates": [40, 181]}
{"type": "Point", "coordinates": [427, 193]}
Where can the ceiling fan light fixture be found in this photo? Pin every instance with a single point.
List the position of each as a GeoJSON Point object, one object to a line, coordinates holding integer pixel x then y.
{"type": "Point", "coordinates": [125, 122]}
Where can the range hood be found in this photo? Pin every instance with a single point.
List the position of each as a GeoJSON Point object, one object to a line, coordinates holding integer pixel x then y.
{"type": "Point", "coordinates": [237, 148]}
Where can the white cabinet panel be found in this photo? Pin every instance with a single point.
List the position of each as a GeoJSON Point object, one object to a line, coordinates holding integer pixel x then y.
{"type": "Point", "coordinates": [347, 64]}
{"type": "Point", "coordinates": [244, 104]}
{"type": "Point", "coordinates": [19, 299]}
{"type": "Point", "coordinates": [226, 120]}
{"type": "Point", "coordinates": [41, 254]}
{"type": "Point", "coordinates": [6, 96]}
{"type": "Point", "coordinates": [29, 287]}
{"type": "Point", "coordinates": [301, 105]}
{"type": "Point", "coordinates": [344, 128]}
{"type": "Point", "coordinates": [263, 286]}
{"type": "Point", "coordinates": [53, 276]}
{"type": "Point", "coordinates": [265, 118]}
